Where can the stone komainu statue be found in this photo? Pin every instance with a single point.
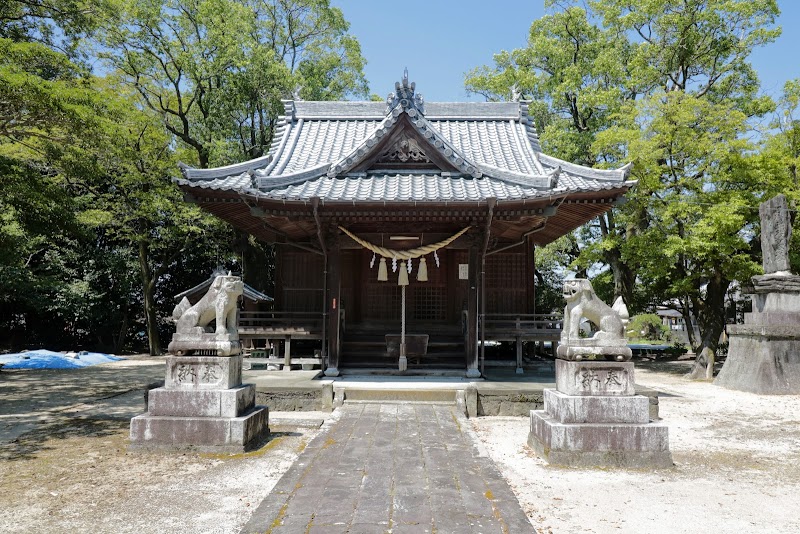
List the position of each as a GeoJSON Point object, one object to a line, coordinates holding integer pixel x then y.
{"type": "Point", "coordinates": [582, 302]}
{"type": "Point", "coordinates": [609, 341]}
{"type": "Point", "coordinates": [218, 304]}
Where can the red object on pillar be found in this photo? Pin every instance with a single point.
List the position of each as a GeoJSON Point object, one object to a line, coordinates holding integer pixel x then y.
{"type": "Point", "coordinates": [334, 304]}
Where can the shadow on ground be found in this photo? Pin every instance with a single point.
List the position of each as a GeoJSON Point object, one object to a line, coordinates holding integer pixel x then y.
{"type": "Point", "coordinates": [28, 445]}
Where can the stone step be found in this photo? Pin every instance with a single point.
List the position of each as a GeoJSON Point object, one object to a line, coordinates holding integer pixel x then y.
{"type": "Point", "coordinates": [438, 396]}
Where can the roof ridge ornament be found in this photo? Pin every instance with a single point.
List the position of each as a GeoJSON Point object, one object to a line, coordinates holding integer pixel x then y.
{"type": "Point", "coordinates": [405, 96]}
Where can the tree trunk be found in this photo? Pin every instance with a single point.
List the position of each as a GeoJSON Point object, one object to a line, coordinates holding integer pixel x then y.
{"type": "Point", "coordinates": [624, 277]}
{"type": "Point", "coordinates": [703, 368]}
{"type": "Point", "coordinates": [148, 290]}
{"type": "Point", "coordinates": [686, 312]}
{"type": "Point", "coordinates": [119, 340]}
{"type": "Point", "coordinates": [710, 315]}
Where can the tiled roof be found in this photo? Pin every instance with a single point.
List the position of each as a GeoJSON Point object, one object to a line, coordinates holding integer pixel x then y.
{"type": "Point", "coordinates": [404, 188]}
{"type": "Point", "coordinates": [318, 144]}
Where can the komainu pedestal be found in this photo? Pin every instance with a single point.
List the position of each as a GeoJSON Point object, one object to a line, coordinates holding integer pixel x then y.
{"type": "Point", "coordinates": [203, 405]}
{"type": "Point", "coordinates": [594, 418]}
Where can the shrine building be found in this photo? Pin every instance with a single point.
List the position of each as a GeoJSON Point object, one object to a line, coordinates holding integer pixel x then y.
{"type": "Point", "coordinates": [405, 217]}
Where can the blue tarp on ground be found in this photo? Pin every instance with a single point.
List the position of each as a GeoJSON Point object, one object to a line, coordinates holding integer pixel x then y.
{"type": "Point", "coordinates": [47, 359]}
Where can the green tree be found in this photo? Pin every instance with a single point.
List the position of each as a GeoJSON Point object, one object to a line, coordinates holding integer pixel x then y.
{"type": "Point", "coordinates": [579, 74]}
{"type": "Point", "coordinates": [668, 87]}
{"type": "Point", "coordinates": [215, 70]}
{"type": "Point", "coordinates": [122, 171]}
{"type": "Point", "coordinates": [690, 154]}
{"type": "Point", "coordinates": [60, 25]}
{"type": "Point", "coordinates": [46, 100]}
{"type": "Point", "coordinates": [686, 139]}
{"type": "Point", "coordinates": [779, 158]}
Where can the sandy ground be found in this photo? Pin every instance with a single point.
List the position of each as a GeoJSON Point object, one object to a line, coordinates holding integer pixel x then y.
{"type": "Point", "coordinates": [737, 467]}
{"type": "Point", "coordinates": [64, 464]}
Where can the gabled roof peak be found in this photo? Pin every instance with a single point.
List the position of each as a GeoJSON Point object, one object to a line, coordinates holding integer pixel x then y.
{"type": "Point", "coordinates": [430, 141]}
{"type": "Point", "coordinates": [405, 97]}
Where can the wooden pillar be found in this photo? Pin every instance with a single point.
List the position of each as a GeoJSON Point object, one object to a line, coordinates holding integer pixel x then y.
{"type": "Point", "coordinates": [287, 353]}
{"type": "Point", "coordinates": [334, 304]}
{"type": "Point", "coordinates": [472, 308]}
{"type": "Point", "coordinates": [530, 275]}
{"type": "Point", "coordinates": [280, 303]}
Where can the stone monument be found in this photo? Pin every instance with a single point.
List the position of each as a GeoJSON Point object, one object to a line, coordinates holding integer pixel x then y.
{"type": "Point", "coordinates": [203, 405]}
{"type": "Point", "coordinates": [764, 352]}
{"type": "Point", "coordinates": [594, 418]}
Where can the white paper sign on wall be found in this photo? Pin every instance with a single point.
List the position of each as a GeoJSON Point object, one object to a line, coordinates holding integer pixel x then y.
{"type": "Point", "coordinates": [463, 271]}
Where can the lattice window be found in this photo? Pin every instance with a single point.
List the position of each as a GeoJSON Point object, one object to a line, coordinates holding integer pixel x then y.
{"type": "Point", "coordinates": [429, 303]}
{"type": "Point", "coordinates": [382, 301]}
{"type": "Point", "coordinates": [302, 300]}
{"type": "Point", "coordinates": [505, 283]}
{"type": "Point", "coordinates": [300, 281]}
{"type": "Point", "coordinates": [301, 270]}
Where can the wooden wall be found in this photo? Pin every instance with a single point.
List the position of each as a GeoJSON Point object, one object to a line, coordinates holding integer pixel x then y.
{"type": "Point", "coordinates": [441, 299]}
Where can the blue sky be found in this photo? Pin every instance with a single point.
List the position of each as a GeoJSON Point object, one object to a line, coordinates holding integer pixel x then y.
{"type": "Point", "coordinates": [440, 40]}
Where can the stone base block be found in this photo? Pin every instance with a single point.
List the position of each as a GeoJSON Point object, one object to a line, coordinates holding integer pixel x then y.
{"type": "Point", "coordinates": [595, 378]}
{"type": "Point", "coordinates": [203, 434]}
{"type": "Point", "coordinates": [203, 372]}
{"type": "Point", "coordinates": [781, 287]}
{"type": "Point", "coordinates": [765, 360]}
{"type": "Point", "coordinates": [771, 318]}
{"type": "Point", "coordinates": [221, 345]}
{"type": "Point", "coordinates": [576, 353]}
{"type": "Point", "coordinates": [201, 403]}
{"type": "Point", "coordinates": [599, 444]}
{"type": "Point", "coordinates": [573, 409]}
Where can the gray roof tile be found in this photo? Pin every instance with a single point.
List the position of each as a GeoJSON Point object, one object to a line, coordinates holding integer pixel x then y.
{"type": "Point", "coordinates": [317, 143]}
{"type": "Point", "coordinates": [402, 188]}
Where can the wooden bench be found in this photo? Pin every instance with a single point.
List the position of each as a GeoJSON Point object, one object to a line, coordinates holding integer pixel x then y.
{"type": "Point", "coordinates": [520, 328]}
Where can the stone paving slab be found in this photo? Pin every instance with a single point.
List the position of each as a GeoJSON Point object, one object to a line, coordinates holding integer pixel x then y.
{"type": "Point", "coordinates": [392, 468]}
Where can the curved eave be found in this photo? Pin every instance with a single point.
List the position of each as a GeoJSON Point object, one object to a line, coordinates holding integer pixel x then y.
{"type": "Point", "coordinates": [274, 219]}
{"type": "Point", "coordinates": [194, 174]}
{"type": "Point", "coordinates": [265, 183]}
{"type": "Point", "coordinates": [611, 175]}
{"type": "Point", "coordinates": [259, 194]}
{"type": "Point", "coordinates": [546, 181]}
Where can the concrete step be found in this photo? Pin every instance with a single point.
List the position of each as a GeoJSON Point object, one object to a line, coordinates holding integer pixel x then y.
{"type": "Point", "coordinates": [430, 361]}
{"type": "Point", "coordinates": [439, 396]}
{"type": "Point", "coordinates": [410, 373]}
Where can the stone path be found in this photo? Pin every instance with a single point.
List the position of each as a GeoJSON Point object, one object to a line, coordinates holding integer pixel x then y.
{"type": "Point", "coordinates": [399, 468]}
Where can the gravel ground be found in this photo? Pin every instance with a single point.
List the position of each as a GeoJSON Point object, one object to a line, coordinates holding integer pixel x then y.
{"type": "Point", "coordinates": [737, 467]}
{"type": "Point", "coordinates": [65, 467]}
{"type": "Point", "coordinates": [64, 464]}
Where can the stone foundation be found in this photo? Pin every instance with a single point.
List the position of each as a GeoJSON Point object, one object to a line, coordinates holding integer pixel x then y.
{"type": "Point", "coordinates": [764, 353]}
{"type": "Point", "coordinates": [594, 419]}
{"type": "Point", "coordinates": [203, 406]}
